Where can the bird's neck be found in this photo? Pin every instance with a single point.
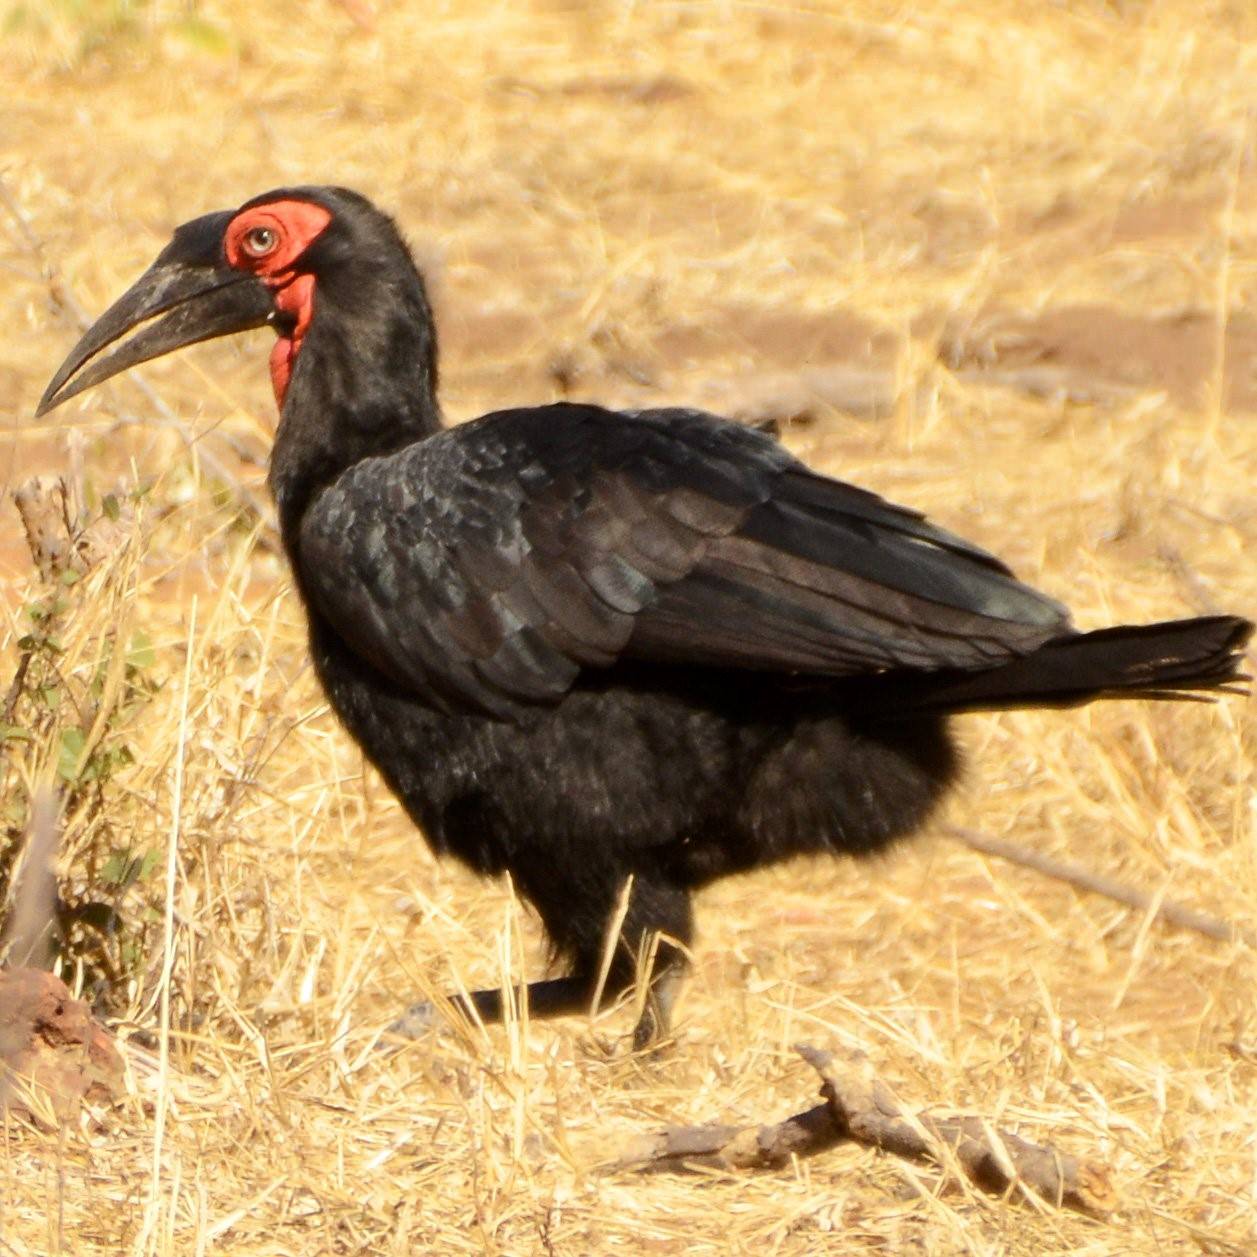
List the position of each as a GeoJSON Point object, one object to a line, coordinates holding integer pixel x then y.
{"type": "Point", "coordinates": [362, 384]}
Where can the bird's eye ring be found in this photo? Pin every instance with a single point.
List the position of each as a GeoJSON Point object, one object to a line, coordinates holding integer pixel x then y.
{"type": "Point", "coordinates": [259, 241]}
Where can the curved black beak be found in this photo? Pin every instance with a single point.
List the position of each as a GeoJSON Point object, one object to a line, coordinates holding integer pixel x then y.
{"type": "Point", "coordinates": [192, 285]}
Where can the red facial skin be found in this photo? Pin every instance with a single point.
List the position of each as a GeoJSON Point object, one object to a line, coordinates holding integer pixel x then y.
{"type": "Point", "coordinates": [294, 225]}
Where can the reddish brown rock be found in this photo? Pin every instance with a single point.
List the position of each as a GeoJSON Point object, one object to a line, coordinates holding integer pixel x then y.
{"type": "Point", "coordinates": [53, 1053]}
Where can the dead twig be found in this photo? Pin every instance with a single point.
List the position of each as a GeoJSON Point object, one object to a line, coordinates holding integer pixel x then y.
{"type": "Point", "coordinates": [51, 524]}
{"type": "Point", "coordinates": [1096, 883]}
{"type": "Point", "coordinates": [860, 1108]}
{"type": "Point", "coordinates": [997, 1161]}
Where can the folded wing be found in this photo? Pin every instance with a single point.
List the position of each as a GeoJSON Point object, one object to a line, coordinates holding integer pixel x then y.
{"type": "Point", "coordinates": [487, 567]}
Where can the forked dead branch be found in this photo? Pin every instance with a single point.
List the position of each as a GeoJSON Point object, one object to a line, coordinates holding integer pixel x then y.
{"type": "Point", "coordinates": [859, 1107]}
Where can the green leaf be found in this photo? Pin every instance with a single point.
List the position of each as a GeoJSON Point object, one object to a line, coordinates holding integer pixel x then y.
{"type": "Point", "coordinates": [72, 743]}
{"type": "Point", "coordinates": [109, 504]}
{"type": "Point", "coordinates": [33, 643]}
{"type": "Point", "coordinates": [140, 654]}
{"type": "Point", "coordinates": [103, 765]}
{"type": "Point", "coordinates": [115, 868]}
{"type": "Point", "coordinates": [123, 869]}
{"type": "Point", "coordinates": [40, 612]}
{"type": "Point", "coordinates": [14, 733]}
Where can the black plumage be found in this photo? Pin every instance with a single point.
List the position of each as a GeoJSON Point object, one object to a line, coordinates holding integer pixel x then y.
{"type": "Point", "coordinates": [586, 646]}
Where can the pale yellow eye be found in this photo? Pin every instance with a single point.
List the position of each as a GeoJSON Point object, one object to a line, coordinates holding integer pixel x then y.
{"type": "Point", "coordinates": [259, 241]}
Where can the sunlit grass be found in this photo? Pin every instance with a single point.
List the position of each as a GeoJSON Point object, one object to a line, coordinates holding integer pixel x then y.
{"type": "Point", "coordinates": [658, 203]}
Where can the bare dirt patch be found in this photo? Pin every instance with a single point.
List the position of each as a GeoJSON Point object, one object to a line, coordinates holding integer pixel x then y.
{"type": "Point", "coordinates": [1089, 352]}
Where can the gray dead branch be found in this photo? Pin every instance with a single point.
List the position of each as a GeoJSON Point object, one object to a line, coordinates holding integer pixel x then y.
{"type": "Point", "coordinates": [29, 935]}
{"type": "Point", "coordinates": [859, 1108]}
{"type": "Point", "coordinates": [1080, 878]}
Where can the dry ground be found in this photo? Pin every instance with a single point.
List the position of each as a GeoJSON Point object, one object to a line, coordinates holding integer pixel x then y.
{"type": "Point", "coordinates": [997, 260]}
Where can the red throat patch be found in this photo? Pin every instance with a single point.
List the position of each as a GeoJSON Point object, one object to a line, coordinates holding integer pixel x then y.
{"type": "Point", "coordinates": [296, 298]}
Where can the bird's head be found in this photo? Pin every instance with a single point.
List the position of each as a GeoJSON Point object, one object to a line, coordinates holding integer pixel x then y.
{"type": "Point", "coordinates": [267, 263]}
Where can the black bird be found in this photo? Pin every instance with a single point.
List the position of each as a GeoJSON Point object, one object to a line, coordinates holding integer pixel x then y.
{"type": "Point", "coordinates": [601, 649]}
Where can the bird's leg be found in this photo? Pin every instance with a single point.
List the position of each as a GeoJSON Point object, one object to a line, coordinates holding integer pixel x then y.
{"type": "Point", "coordinates": [656, 928]}
{"type": "Point", "coordinates": [553, 997]}
{"type": "Point", "coordinates": [556, 997]}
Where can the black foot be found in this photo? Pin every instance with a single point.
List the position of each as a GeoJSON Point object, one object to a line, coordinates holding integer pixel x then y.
{"type": "Point", "coordinates": [554, 998]}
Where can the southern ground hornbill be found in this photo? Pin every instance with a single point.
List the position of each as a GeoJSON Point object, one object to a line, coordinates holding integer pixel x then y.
{"type": "Point", "coordinates": [587, 646]}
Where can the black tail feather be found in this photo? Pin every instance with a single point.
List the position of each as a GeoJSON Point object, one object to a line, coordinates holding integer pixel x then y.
{"type": "Point", "coordinates": [1178, 659]}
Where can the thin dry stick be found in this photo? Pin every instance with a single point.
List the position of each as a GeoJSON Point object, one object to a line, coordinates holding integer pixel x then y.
{"type": "Point", "coordinates": [153, 1205]}
{"type": "Point", "coordinates": [860, 1108]}
{"type": "Point", "coordinates": [1084, 879]}
{"type": "Point", "coordinates": [17, 687]}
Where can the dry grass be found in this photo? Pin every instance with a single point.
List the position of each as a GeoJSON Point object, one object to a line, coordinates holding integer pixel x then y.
{"type": "Point", "coordinates": [647, 200]}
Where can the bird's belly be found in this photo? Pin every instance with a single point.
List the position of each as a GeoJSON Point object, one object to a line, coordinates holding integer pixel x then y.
{"type": "Point", "coordinates": [633, 780]}
{"type": "Point", "coordinates": [623, 771]}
